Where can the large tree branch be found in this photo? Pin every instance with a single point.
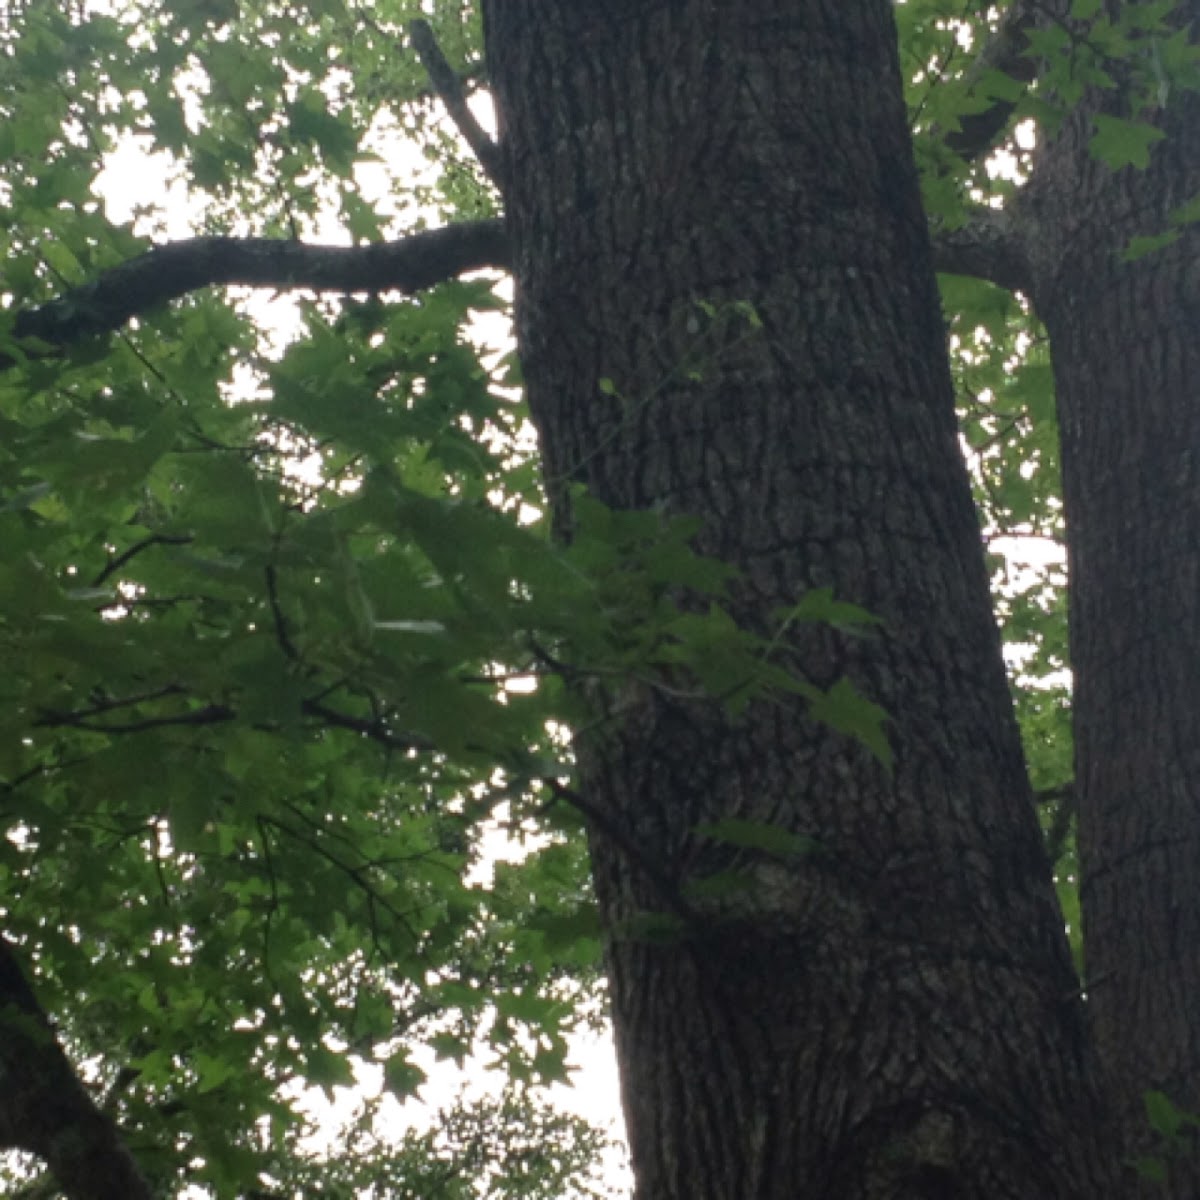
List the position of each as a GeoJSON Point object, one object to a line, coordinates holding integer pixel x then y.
{"type": "Point", "coordinates": [989, 246]}
{"type": "Point", "coordinates": [46, 1110]}
{"type": "Point", "coordinates": [177, 268]}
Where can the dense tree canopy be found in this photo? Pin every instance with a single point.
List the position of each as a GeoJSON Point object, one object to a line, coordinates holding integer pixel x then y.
{"type": "Point", "coordinates": [295, 625]}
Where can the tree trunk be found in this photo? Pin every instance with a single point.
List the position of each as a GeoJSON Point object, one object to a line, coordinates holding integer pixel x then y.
{"type": "Point", "coordinates": [1126, 345]}
{"type": "Point", "coordinates": [894, 1016]}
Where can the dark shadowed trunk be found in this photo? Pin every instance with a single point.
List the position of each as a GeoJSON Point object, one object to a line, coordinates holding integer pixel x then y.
{"type": "Point", "coordinates": [895, 1016]}
{"type": "Point", "coordinates": [1126, 345]}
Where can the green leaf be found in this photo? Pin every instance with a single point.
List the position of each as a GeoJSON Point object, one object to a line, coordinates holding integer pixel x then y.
{"type": "Point", "coordinates": [1164, 1117]}
{"type": "Point", "coordinates": [656, 928]}
{"type": "Point", "coordinates": [1187, 213]}
{"type": "Point", "coordinates": [328, 1069]}
{"type": "Point", "coordinates": [1119, 142]}
{"type": "Point", "coordinates": [843, 708]}
{"type": "Point", "coordinates": [565, 931]}
{"type": "Point", "coordinates": [192, 814]}
{"type": "Point", "coordinates": [1139, 247]}
{"type": "Point", "coordinates": [996, 85]}
{"type": "Point", "coordinates": [818, 605]}
{"type": "Point", "coordinates": [1149, 1168]}
{"type": "Point", "coordinates": [758, 835]}
{"type": "Point", "coordinates": [211, 1072]}
{"type": "Point", "coordinates": [720, 885]}
{"type": "Point", "coordinates": [401, 1076]}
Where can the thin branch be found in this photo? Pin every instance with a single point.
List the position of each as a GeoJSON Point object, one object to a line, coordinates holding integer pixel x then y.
{"type": "Point", "coordinates": [42, 771]}
{"type": "Point", "coordinates": [599, 820]}
{"type": "Point", "coordinates": [989, 246]}
{"type": "Point", "coordinates": [46, 1110]}
{"type": "Point", "coordinates": [178, 268]}
{"type": "Point", "coordinates": [282, 634]}
{"type": "Point", "coordinates": [449, 87]}
{"type": "Point", "coordinates": [273, 886]}
{"type": "Point", "coordinates": [210, 714]}
{"type": "Point", "coordinates": [376, 730]}
{"type": "Point", "coordinates": [99, 707]}
{"type": "Point", "coordinates": [358, 873]}
{"type": "Point", "coordinates": [157, 539]}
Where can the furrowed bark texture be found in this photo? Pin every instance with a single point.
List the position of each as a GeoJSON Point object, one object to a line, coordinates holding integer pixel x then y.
{"type": "Point", "coordinates": [894, 1016]}
{"type": "Point", "coordinates": [45, 1108]}
{"type": "Point", "coordinates": [1126, 344]}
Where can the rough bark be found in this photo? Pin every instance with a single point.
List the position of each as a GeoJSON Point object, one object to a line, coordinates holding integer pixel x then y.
{"type": "Point", "coordinates": [895, 1016]}
{"type": "Point", "coordinates": [45, 1109]}
{"type": "Point", "coordinates": [1127, 362]}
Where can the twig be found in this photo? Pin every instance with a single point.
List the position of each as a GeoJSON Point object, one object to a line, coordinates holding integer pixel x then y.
{"type": "Point", "coordinates": [376, 729]}
{"type": "Point", "coordinates": [99, 707]}
{"type": "Point", "coordinates": [216, 714]}
{"type": "Point", "coordinates": [282, 635]}
{"type": "Point", "coordinates": [157, 539]}
{"type": "Point", "coordinates": [211, 714]}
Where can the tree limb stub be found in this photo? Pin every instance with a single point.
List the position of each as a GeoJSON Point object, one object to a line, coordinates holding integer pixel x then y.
{"type": "Point", "coordinates": [169, 271]}
{"type": "Point", "coordinates": [989, 246]}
